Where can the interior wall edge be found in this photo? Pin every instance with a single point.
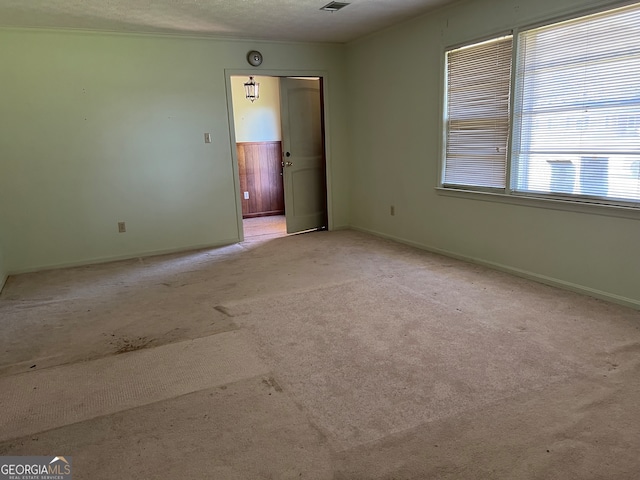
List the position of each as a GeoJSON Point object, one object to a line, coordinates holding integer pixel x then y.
{"type": "Point", "coordinates": [554, 282]}
{"type": "Point", "coordinates": [116, 258]}
{"type": "Point", "coordinates": [3, 268]}
{"type": "Point", "coordinates": [170, 35]}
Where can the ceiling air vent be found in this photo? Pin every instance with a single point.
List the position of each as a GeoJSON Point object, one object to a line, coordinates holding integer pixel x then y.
{"type": "Point", "coordinates": [334, 6]}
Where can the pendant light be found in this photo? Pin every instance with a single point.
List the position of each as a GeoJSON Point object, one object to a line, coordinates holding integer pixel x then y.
{"type": "Point", "coordinates": [252, 90]}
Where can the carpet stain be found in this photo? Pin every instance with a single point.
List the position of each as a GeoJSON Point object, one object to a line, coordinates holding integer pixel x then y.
{"type": "Point", "coordinates": [612, 366]}
{"type": "Point", "coordinates": [224, 310]}
{"type": "Point", "coordinates": [126, 344]}
{"type": "Point", "coordinates": [272, 383]}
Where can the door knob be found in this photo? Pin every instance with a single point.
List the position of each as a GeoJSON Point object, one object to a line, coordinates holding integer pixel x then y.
{"type": "Point", "coordinates": [288, 154]}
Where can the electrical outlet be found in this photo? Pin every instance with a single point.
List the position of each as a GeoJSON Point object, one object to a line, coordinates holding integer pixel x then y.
{"type": "Point", "coordinates": [122, 227]}
{"type": "Point", "coordinates": [392, 210]}
{"type": "Point", "coordinates": [246, 195]}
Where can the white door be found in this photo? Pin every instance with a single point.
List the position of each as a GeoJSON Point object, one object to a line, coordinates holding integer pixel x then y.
{"type": "Point", "coordinates": [305, 190]}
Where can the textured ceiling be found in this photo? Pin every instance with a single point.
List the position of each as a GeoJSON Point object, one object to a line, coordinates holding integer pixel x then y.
{"type": "Point", "coordinates": [297, 20]}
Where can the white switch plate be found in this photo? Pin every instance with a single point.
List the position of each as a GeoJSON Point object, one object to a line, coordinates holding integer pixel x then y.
{"type": "Point", "coordinates": [246, 195]}
{"type": "Point", "coordinates": [207, 138]}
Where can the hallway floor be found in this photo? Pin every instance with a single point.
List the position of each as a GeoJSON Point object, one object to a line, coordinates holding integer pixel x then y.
{"type": "Point", "coordinates": [275, 225]}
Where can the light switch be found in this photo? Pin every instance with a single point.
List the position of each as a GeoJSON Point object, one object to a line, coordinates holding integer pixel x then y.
{"type": "Point", "coordinates": [246, 195]}
{"type": "Point", "coordinates": [207, 138]}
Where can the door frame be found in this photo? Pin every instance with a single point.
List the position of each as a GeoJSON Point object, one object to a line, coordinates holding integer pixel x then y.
{"type": "Point", "coordinates": [325, 95]}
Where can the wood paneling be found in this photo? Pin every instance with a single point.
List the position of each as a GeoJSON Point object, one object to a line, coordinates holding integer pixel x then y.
{"type": "Point", "coordinates": [260, 168]}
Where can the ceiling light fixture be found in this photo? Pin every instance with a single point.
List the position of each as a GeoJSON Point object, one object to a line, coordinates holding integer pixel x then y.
{"type": "Point", "coordinates": [334, 6]}
{"type": "Point", "coordinates": [252, 90]}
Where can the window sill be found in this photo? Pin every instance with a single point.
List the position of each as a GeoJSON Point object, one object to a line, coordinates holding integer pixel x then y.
{"type": "Point", "coordinates": [544, 202]}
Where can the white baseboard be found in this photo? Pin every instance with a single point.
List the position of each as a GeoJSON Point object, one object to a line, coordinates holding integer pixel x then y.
{"type": "Point", "coordinates": [554, 282]}
{"type": "Point", "coordinates": [115, 258]}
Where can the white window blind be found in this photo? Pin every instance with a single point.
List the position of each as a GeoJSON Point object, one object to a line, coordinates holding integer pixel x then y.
{"type": "Point", "coordinates": [477, 114]}
{"type": "Point", "coordinates": [577, 108]}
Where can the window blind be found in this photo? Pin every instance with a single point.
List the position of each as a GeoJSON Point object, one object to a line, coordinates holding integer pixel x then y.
{"type": "Point", "coordinates": [477, 114]}
{"type": "Point", "coordinates": [577, 108]}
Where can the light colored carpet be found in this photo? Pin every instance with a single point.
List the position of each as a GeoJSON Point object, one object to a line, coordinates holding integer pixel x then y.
{"type": "Point", "coordinates": [358, 358]}
{"type": "Point", "coordinates": [239, 431]}
{"type": "Point", "coordinates": [45, 399]}
{"type": "Point", "coordinates": [410, 360]}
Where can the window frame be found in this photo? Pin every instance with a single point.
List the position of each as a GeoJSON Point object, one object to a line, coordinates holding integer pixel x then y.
{"type": "Point", "coordinates": [445, 108]}
{"type": "Point", "coordinates": [554, 201]}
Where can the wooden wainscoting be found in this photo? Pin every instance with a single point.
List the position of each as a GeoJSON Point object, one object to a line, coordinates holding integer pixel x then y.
{"type": "Point", "coordinates": [260, 168]}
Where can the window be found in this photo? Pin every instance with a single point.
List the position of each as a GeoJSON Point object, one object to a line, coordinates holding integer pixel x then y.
{"type": "Point", "coordinates": [576, 115]}
{"type": "Point", "coordinates": [477, 114]}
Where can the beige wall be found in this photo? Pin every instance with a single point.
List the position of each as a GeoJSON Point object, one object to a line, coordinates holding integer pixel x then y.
{"type": "Point", "coordinates": [395, 119]}
{"type": "Point", "coordinates": [100, 128]}
{"type": "Point", "coordinates": [257, 121]}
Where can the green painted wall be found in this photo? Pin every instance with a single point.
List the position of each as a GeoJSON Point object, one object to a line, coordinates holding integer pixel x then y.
{"type": "Point", "coordinates": [102, 128]}
{"type": "Point", "coordinates": [3, 270]}
{"type": "Point", "coordinates": [395, 111]}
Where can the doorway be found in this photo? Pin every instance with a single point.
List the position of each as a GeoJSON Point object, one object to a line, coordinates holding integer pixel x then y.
{"type": "Point", "coordinates": [279, 146]}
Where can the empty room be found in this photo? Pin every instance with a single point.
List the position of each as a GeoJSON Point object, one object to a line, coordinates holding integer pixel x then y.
{"type": "Point", "coordinates": [373, 239]}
